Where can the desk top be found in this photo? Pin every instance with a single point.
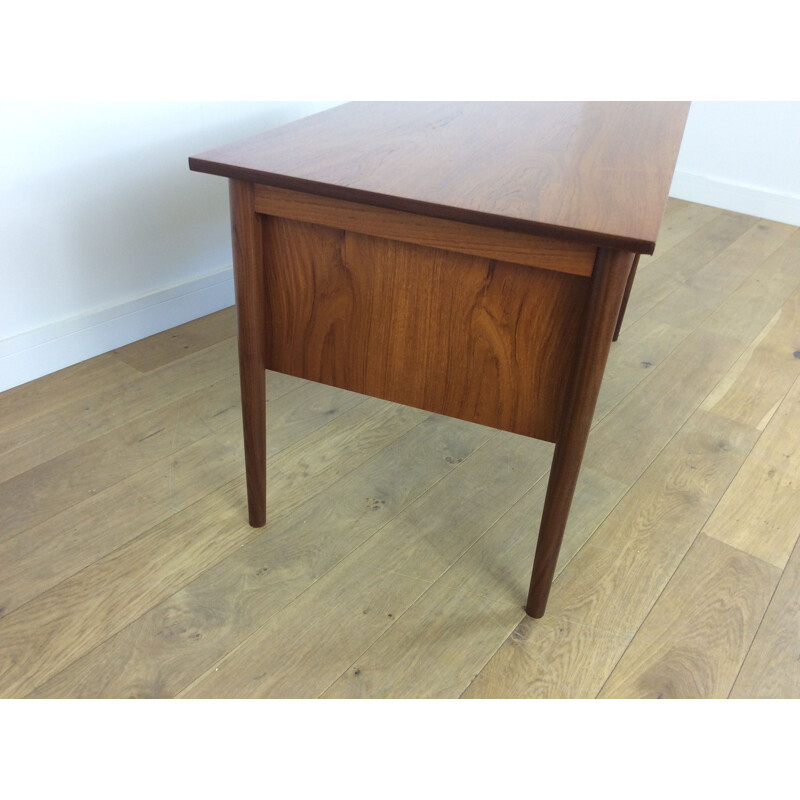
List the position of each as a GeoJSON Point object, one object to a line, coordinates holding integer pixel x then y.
{"type": "Point", "coordinates": [595, 172]}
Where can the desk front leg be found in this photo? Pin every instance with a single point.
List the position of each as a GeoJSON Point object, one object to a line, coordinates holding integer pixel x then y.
{"type": "Point", "coordinates": [609, 279]}
{"type": "Point", "coordinates": [248, 272]}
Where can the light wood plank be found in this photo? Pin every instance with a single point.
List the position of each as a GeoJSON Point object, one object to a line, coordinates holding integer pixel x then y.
{"type": "Point", "coordinates": [47, 436]}
{"type": "Point", "coordinates": [624, 443]}
{"type": "Point", "coordinates": [631, 359]}
{"type": "Point", "coordinates": [50, 392]}
{"type": "Point", "coordinates": [173, 345]}
{"type": "Point", "coordinates": [40, 557]}
{"type": "Point", "coordinates": [745, 312]}
{"type": "Point", "coordinates": [51, 631]}
{"type": "Point", "coordinates": [681, 219]}
{"type": "Point", "coordinates": [481, 592]}
{"type": "Point", "coordinates": [760, 511]}
{"type": "Point", "coordinates": [699, 631]}
{"type": "Point", "coordinates": [45, 635]}
{"type": "Point", "coordinates": [183, 636]}
{"type": "Point", "coordinates": [702, 291]}
{"type": "Point", "coordinates": [39, 493]}
{"type": "Point", "coordinates": [772, 666]}
{"type": "Point", "coordinates": [605, 592]}
{"type": "Point", "coordinates": [549, 658]}
{"type": "Point", "coordinates": [754, 387]}
{"type": "Point", "coordinates": [304, 648]}
{"type": "Point", "coordinates": [669, 272]}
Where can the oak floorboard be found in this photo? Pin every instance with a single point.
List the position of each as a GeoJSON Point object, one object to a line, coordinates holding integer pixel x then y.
{"type": "Point", "coordinates": [305, 647]}
{"type": "Point", "coordinates": [167, 648]}
{"type": "Point", "coordinates": [148, 354]}
{"type": "Point", "coordinates": [694, 640]}
{"type": "Point", "coordinates": [627, 440]}
{"type": "Point", "coordinates": [746, 311]}
{"type": "Point", "coordinates": [71, 384]}
{"type": "Point", "coordinates": [669, 272]}
{"type": "Point", "coordinates": [46, 634]}
{"type": "Point", "coordinates": [607, 589]}
{"type": "Point", "coordinates": [481, 593]}
{"type": "Point", "coordinates": [753, 388]}
{"type": "Point", "coordinates": [47, 436]}
{"type": "Point", "coordinates": [631, 359]}
{"type": "Point", "coordinates": [771, 669]}
{"type": "Point", "coordinates": [681, 219]}
{"type": "Point", "coordinates": [40, 557]}
{"type": "Point", "coordinates": [699, 295]}
{"type": "Point", "coordinates": [760, 511]}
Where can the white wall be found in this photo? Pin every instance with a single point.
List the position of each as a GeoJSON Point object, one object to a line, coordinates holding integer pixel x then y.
{"type": "Point", "coordinates": [105, 235]}
{"type": "Point", "coordinates": [742, 156]}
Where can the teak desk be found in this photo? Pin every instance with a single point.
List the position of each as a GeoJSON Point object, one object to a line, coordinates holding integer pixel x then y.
{"type": "Point", "coordinates": [470, 259]}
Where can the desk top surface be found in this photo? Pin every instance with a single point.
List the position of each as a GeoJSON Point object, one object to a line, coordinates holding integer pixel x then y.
{"type": "Point", "coordinates": [594, 172]}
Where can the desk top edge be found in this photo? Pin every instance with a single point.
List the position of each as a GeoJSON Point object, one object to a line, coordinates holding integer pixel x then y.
{"type": "Point", "coordinates": [598, 173]}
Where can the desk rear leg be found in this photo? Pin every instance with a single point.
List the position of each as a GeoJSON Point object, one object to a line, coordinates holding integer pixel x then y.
{"type": "Point", "coordinates": [625, 297]}
{"type": "Point", "coordinates": [609, 280]}
{"type": "Point", "coordinates": [248, 272]}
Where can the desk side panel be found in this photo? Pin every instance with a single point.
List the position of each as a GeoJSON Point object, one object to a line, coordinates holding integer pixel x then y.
{"type": "Point", "coordinates": [474, 338]}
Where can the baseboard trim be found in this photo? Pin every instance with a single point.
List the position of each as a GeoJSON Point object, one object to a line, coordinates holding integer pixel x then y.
{"type": "Point", "coordinates": [736, 197]}
{"type": "Point", "coordinates": [39, 352]}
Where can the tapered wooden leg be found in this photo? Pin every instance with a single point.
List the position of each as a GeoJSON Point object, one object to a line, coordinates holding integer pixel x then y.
{"type": "Point", "coordinates": [608, 285]}
{"type": "Point", "coordinates": [249, 283]}
{"type": "Point", "coordinates": [625, 296]}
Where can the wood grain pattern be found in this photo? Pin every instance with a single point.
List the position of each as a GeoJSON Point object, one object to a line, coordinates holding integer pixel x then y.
{"type": "Point", "coordinates": [476, 240]}
{"type": "Point", "coordinates": [760, 511]}
{"type": "Point", "coordinates": [746, 311]}
{"type": "Point", "coordinates": [624, 443]}
{"type": "Point", "coordinates": [113, 592]}
{"type": "Point", "coordinates": [156, 351]}
{"type": "Point", "coordinates": [772, 666]}
{"type": "Point", "coordinates": [305, 647]}
{"type": "Point", "coordinates": [39, 557]}
{"type": "Point", "coordinates": [668, 273]}
{"type": "Point", "coordinates": [703, 288]}
{"type": "Point", "coordinates": [23, 403]}
{"type": "Point", "coordinates": [484, 586]}
{"type": "Point", "coordinates": [639, 545]}
{"type": "Point", "coordinates": [480, 340]}
{"type": "Point", "coordinates": [116, 590]}
{"type": "Point", "coordinates": [36, 495]}
{"type": "Point", "coordinates": [688, 648]}
{"type": "Point", "coordinates": [552, 658]}
{"type": "Point", "coordinates": [596, 172]}
{"type": "Point", "coordinates": [186, 634]}
{"type": "Point", "coordinates": [47, 436]}
{"type": "Point", "coordinates": [754, 387]}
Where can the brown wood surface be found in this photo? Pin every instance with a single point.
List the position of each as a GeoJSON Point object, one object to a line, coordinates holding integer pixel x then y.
{"type": "Point", "coordinates": [249, 282]}
{"type": "Point", "coordinates": [587, 171]}
{"type": "Point", "coordinates": [607, 287]}
{"type": "Point", "coordinates": [476, 240]}
{"type": "Point", "coordinates": [484, 341]}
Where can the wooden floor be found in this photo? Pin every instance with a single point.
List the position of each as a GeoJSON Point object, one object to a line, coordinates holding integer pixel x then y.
{"type": "Point", "coordinates": [399, 544]}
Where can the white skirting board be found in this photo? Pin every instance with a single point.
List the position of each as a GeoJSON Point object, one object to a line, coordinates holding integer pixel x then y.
{"type": "Point", "coordinates": [736, 197]}
{"type": "Point", "coordinates": [60, 344]}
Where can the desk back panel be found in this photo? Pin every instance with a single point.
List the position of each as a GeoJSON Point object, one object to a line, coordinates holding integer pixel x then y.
{"type": "Point", "coordinates": [483, 340]}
